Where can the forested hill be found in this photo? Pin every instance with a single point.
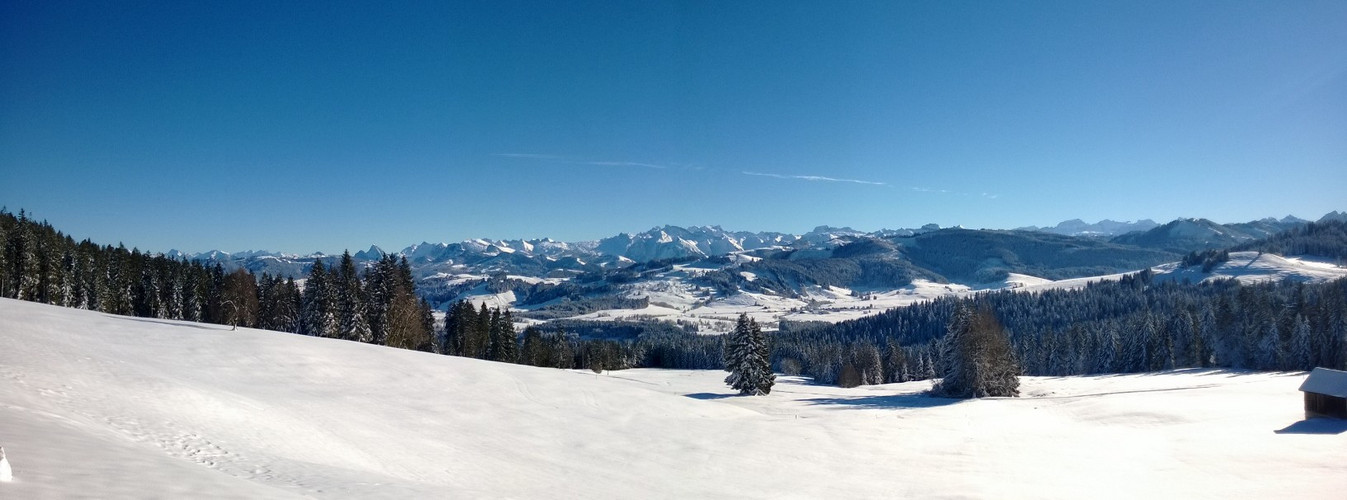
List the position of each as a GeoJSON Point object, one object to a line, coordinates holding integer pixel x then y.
{"type": "Point", "coordinates": [1131, 325]}
{"type": "Point", "coordinates": [1137, 323]}
{"type": "Point", "coordinates": [968, 256]}
{"type": "Point", "coordinates": [1327, 238]}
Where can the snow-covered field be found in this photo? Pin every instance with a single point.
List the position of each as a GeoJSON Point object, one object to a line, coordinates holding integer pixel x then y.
{"type": "Point", "coordinates": [100, 406]}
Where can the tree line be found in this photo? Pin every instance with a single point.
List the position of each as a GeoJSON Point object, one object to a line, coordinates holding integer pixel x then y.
{"type": "Point", "coordinates": [1130, 325]}
{"type": "Point", "coordinates": [378, 306]}
{"type": "Point", "coordinates": [1136, 324]}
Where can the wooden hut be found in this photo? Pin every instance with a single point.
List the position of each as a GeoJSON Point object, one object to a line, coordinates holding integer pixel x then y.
{"type": "Point", "coordinates": [1325, 393]}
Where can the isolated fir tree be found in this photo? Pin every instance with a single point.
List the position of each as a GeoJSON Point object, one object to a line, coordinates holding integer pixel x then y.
{"type": "Point", "coordinates": [978, 360]}
{"type": "Point", "coordinates": [746, 358]}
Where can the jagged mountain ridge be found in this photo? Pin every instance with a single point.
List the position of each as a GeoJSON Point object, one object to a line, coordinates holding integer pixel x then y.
{"type": "Point", "coordinates": [1102, 229]}
{"type": "Point", "coordinates": [546, 257]}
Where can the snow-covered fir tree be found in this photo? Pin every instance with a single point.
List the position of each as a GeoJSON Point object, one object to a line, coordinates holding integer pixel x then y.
{"type": "Point", "coordinates": [746, 358]}
{"type": "Point", "coordinates": [318, 317]}
{"type": "Point", "coordinates": [351, 321]}
{"type": "Point", "coordinates": [977, 357]}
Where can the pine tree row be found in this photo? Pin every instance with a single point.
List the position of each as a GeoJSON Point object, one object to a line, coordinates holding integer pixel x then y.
{"type": "Point", "coordinates": [1132, 325]}
{"type": "Point", "coordinates": [378, 306]}
{"type": "Point", "coordinates": [489, 333]}
{"type": "Point", "coordinates": [40, 264]}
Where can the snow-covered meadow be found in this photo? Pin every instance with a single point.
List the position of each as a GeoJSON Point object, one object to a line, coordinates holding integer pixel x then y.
{"type": "Point", "coordinates": [101, 406]}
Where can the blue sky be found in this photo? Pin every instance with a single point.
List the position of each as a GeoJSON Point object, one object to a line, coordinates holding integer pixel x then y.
{"type": "Point", "coordinates": [301, 126]}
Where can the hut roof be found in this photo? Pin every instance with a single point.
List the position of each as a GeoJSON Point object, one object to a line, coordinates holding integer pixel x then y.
{"type": "Point", "coordinates": [1326, 381]}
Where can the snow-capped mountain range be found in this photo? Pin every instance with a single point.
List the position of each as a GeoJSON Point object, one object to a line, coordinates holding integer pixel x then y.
{"type": "Point", "coordinates": [659, 243]}
{"type": "Point", "coordinates": [702, 277]}
{"type": "Point", "coordinates": [674, 242]}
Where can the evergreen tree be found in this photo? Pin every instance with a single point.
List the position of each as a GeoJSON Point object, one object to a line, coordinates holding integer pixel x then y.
{"type": "Point", "coordinates": [979, 361]}
{"type": "Point", "coordinates": [1300, 357]}
{"type": "Point", "coordinates": [503, 337]}
{"type": "Point", "coordinates": [1270, 352]}
{"type": "Point", "coordinates": [5, 229]}
{"type": "Point", "coordinates": [454, 330]}
{"type": "Point", "coordinates": [534, 350]}
{"type": "Point", "coordinates": [895, 363]}
{"type": "Point", "coordinates": [747, 359]}
{"type": "Point", "coordinates": [428, 324]}
{"type": "Point", "coordinates": [562, 352]}
{"type": "Point", "coordinates": [1206, 338]}
{"type": "Point", "coordinates": [318, 317]}
{"type": "Point", "coordinates": [380, 280]}
{"type": "Point", "coordinates": [352, 324]}
{"type": "Point", "coordinates": [481, 333]}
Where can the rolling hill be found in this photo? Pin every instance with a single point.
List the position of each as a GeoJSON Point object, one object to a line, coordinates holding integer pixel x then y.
{"type": "Point", "coordinates": [94, 405]}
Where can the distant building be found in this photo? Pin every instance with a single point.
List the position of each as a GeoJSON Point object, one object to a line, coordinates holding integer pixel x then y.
{"type": "Point", "coordinates": [1325, 393]}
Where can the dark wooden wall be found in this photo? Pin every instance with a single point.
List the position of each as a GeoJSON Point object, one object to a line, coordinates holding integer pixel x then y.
{"type": "Point", "coordinates": [1320, 405]}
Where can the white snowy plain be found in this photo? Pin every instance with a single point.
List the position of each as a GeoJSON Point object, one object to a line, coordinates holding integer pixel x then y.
{"type": "Point", "coordinates": [101, 406]}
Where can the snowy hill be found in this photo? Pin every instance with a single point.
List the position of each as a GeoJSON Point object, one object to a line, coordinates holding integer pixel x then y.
{"type": "Point", "coordinates": [119, 407]}
{"type": "Point", "coordinates": [1255, 266]}
{"type": "Point", "coordinates": [1185, 235]}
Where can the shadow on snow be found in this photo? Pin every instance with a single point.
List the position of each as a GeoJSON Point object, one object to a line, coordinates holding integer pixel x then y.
{"type": "Point", "coordinates": [1316, 426]}
{"type": "Point", "coordinates": [887, 401]}
{"type": "Point", "coordinates": [188, 324]}
{"type": "Point", "coordinates": [709, 395]}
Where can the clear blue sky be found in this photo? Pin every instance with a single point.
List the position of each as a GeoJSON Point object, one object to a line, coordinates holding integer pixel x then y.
{"type": "Point", "coordinates": [301, 126]}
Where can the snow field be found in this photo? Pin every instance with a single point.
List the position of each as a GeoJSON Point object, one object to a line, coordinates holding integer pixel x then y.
{"type": "Point", "coordinates": [93, 405]}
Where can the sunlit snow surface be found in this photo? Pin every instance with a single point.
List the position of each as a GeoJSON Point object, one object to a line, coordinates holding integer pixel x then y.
{"type": "Point", "coordinates": [100, 406]}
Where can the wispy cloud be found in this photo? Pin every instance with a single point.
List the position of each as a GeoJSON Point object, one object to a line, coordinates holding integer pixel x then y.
{"type": "Point", "coordinates": [813, 178]}
{"type": "Point", "coordinates": [573, 161]}
{"type": "Point", "coordinates": [619, 164]}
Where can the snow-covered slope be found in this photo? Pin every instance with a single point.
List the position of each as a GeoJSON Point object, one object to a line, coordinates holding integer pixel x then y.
{"type": "Point", "coordinates": [1251, 267]}
{"type": "Point", "coordinates": [93, 405]}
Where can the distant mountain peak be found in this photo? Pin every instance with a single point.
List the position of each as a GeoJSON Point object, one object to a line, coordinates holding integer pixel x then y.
{"type": "Point", "coordinates": [1334, 215]}
{"type": "Point", "coordinates": [1103, 228]}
